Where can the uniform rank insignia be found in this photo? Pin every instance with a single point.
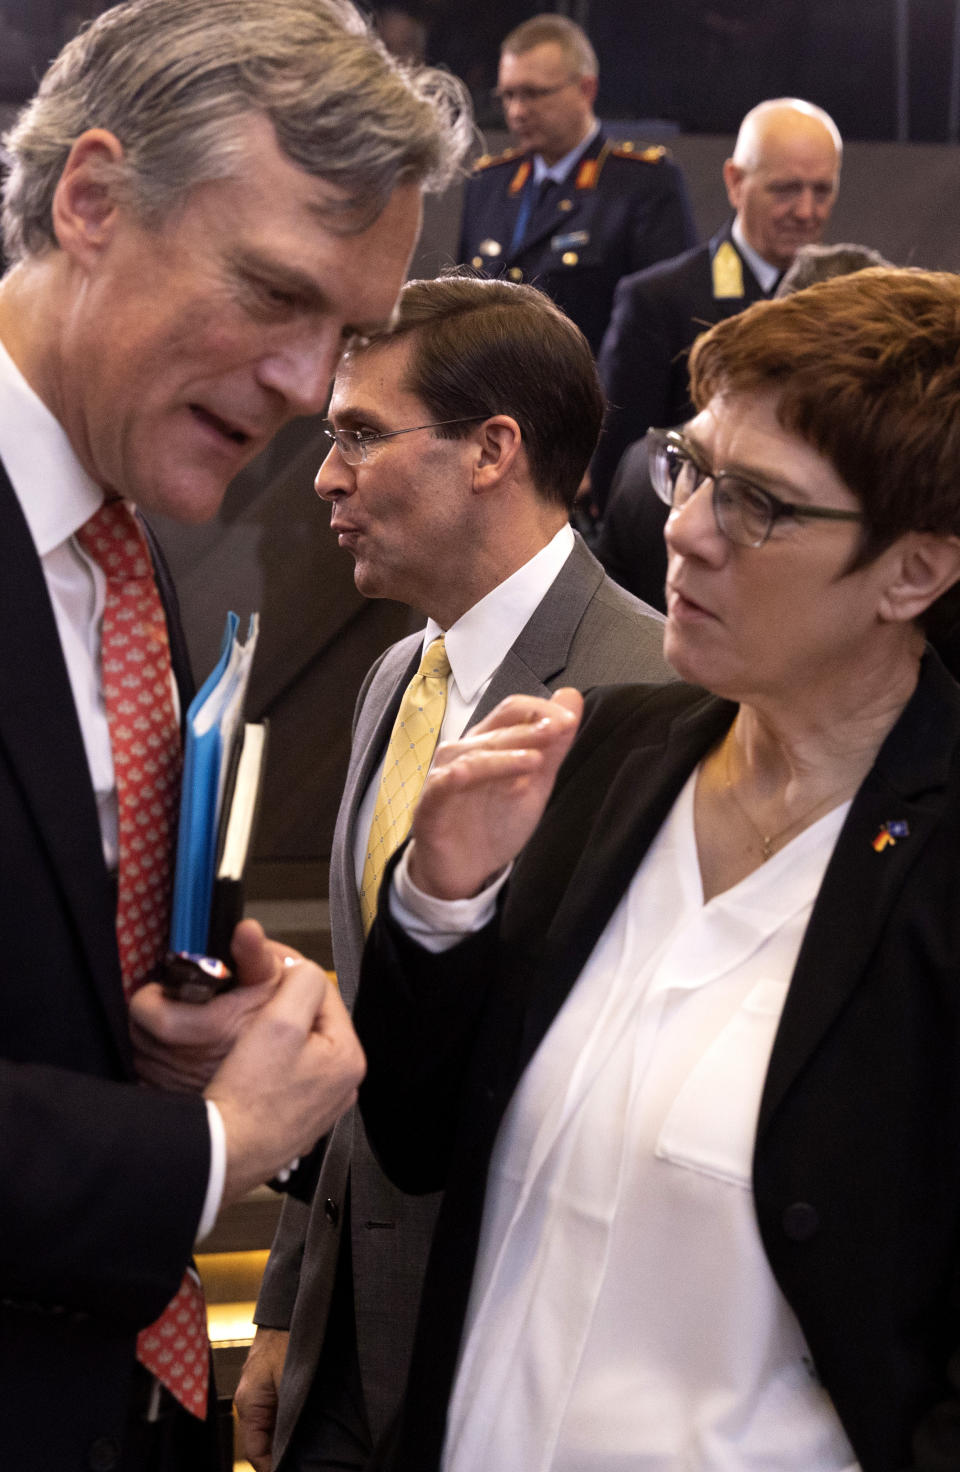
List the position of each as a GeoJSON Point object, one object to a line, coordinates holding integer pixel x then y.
{"type": "Point", "coordinates": [520, 178]}
{"type": "Point", "coordinates": [727, 272]}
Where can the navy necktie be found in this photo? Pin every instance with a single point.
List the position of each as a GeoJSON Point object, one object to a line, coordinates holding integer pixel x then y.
{"type": "Point", "coordinates": [534, 197]}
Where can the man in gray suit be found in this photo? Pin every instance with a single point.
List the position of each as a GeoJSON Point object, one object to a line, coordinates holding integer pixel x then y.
{"type": "Point", "coordinates": [459, 441]}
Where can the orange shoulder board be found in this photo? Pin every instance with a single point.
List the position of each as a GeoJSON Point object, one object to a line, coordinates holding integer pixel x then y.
{"type": "Point", "coordinates": [653, 153]}
{"type": "Point", "coordinates": [490, 160]}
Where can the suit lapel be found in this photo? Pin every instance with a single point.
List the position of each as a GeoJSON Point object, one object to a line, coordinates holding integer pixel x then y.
{"type": "Point", "coordinates": [41, 734]}
{"type": "Point", "coordinates": [377, 713]}
{"type": "Point", "coordinates": [179, 654]}
{"type": "Point", "coordinates": [562, 908]}
{"type": "Point", "coordinates": [860, 888]}
{"type": "Point", "coordinates": [553, 220]}
{"type": "Point", "coordinates": [542, 648]}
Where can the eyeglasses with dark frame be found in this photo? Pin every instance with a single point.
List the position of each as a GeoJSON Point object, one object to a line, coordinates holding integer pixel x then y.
{"type": "Point", "coordinates": [354, 443]}
{"type": "Point", "coordinates": [744, 513]}
{"type": "Point", "coordinates": [528, 95]}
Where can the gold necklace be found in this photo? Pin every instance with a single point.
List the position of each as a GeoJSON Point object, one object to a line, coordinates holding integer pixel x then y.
{"type": "Point", "coordinates": [767, 840]}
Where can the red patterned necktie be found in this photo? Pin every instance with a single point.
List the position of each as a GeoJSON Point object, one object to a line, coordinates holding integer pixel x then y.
{"type": "Point", "coordinates": [145, 741]}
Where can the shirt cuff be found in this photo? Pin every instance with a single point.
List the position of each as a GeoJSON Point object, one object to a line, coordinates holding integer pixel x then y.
{"type": "Point", "coordinates": [218, 1170]}
{"type": "Point", "coordinates": [438, 925]}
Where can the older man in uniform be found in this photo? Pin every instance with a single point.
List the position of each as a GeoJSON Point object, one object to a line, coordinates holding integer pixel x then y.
{"type": "Point", "coordinates": [567, 208]}
{"type": "Point", "coordinates": [782, 183]}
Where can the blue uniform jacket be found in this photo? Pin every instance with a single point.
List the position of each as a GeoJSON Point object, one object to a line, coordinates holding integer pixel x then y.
{"type": "Point", "coordinates": [623, 208]}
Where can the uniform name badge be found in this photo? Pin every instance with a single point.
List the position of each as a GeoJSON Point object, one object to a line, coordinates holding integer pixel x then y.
{"type": "Point", "coordinates": [571, 241]}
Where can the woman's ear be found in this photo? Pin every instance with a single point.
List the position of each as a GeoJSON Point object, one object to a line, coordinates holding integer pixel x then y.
{"type": "Point", "coordinates": [499, 442]}
{"type": "Point", "coordinates": [927, 565]}
{"type": "Point", "coordinates": [84, 203]}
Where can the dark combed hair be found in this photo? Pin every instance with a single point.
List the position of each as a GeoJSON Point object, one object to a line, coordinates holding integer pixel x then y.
{"type": "Point", "coordinates": [484, 347]}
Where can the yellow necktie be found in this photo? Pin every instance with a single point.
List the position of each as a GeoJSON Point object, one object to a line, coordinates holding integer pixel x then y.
{"type": "Point", "coordinates": [413, 741]}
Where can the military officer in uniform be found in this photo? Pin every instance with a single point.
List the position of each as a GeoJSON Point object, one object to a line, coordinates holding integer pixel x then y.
{"type": "Point", "coordinates": [567, 208]}
{"type": "Point", "coordinates": [782, 183]}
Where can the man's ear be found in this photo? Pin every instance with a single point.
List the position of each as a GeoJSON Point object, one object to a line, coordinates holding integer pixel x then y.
{"type": "Point", "coordinates": [926, 565]}
{"type": "Point", "coordinates": [85, 200]}
{"type": "Point", "coordinates": [733, 178]}
{"type": "Point", "coordinates": [499, 442]}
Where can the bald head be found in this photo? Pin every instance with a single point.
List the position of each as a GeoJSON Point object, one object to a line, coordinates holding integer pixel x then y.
{"type": "Point", "coordinates": [777, 122]}
{"type": "Point", "coordinates": [782, 179]}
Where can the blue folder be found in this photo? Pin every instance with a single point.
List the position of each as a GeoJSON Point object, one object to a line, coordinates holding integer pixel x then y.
{"type": "Point", "coordinates": [214, 723]}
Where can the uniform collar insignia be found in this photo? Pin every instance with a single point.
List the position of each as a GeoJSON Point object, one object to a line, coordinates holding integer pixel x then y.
{"type": "Point", "coordinates": [520, 177]}
{"type": "Point", "coordinates": [727, 272]}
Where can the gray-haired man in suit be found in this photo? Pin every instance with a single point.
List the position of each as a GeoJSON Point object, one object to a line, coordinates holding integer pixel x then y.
{"type": "Point", "coordinates": [460, 438]}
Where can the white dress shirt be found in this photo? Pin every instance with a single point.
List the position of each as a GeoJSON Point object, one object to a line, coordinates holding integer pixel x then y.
{"type": "Point", "coordinates": [623, 1316]}
{"type": "Point", "coordinates": [476, 645]}
{"type": "Point", "coordinates": [57, 496]}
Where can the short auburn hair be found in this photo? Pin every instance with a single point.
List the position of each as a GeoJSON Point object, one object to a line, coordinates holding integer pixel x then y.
{"type": "Point", "coordinates": [866, 370]}
{"type": "Point", "coordinates": [483, 347]}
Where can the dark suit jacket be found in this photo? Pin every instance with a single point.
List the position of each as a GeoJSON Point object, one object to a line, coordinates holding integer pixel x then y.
{"type": "Point", "coordinates": [102, 1182]}
{"type": "Point", "coordinates": [630, 542]}
{"type": "Point", "coordinates": [855, 1168]}
{"type": "Point", "coordinates": [656, 316]}
{"type": "Point", "coordinates": [584, 631]}
{"type": "Point", "coordinates": [628, 211]}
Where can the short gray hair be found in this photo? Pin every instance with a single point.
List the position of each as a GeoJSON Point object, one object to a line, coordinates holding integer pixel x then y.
{"type": "Point", "coordinates": [813, 263]}
{"type": "Point", "coordinates": [174, 80]}
{"type": "Point", "coordinates": [541, 30]}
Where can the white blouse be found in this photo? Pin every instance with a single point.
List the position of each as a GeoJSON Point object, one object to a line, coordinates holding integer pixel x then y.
{"type": "Point", "coordinates": [623, 1316]}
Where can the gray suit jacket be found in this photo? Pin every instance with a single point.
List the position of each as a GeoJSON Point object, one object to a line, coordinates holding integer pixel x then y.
{"type": "Point", "coordinates": [586, 631]}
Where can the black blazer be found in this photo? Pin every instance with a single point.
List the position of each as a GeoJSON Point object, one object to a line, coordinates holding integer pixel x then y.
{"type": "Point", "coordinates": [102, 1182]}
{"type": "Point", "coordinates": [627, 211]}
{"type": "Point", "coordinates": [630, 543]}
{"type": "Point", "coordinates": [657, 314]}
{"type": "Point", "coordinates": [855, 1170]}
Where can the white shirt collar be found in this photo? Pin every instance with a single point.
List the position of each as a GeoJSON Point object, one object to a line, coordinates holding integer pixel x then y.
{"type": "Point", "coordinates": [564, 166]}
{"type": "Point", "coordinates": [767, 275]}
{"type": "Point", "coordinates": [478, 642]}
{"type": "Point", "coordinates": [55, 492]}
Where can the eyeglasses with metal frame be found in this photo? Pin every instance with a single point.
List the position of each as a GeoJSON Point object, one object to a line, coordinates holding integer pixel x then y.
{"type": "Point", "coordinates": [528, 95]}
{"type": "Point", "coordinates": [354, 443]}
{"type": "Point", "coordinates": [744, 513]}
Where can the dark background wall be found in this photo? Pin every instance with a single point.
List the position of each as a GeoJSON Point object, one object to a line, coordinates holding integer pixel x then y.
{"type": "Point", "coordinates": [884, 68]}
